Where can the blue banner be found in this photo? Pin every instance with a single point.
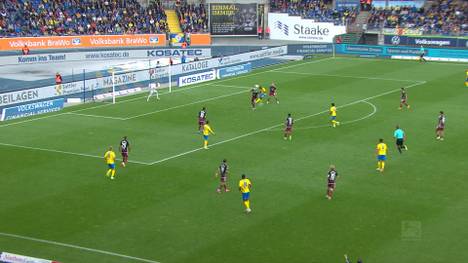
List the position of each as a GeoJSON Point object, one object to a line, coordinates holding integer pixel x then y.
{"type": "Point", "coordinates": [310, 49]}
{"type": "Point", "coordinates": [426, 41]}
{"type": "Point", "coordinates": [31, 109]}
{"type": "Point", "coordinates": [341, 4]}
{"type": "Point", "coordinates": [459, 55]}
{"type": "Point", "coordinates": [234, 70]}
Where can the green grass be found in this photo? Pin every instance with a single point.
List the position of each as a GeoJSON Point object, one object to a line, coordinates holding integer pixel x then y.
{"type": "Point", "coordinates": [169, 212]}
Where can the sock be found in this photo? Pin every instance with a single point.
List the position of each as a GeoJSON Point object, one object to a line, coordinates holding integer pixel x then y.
{"type": "Point", "coordinates": [108, 172]}
{"type": "Point", "coordinates": [205, 144]}
{"type": "Point", "coordinates": [113, 173]}
{"type": "Point", "coordinates": [379, 165]}
{"type": "Point", "coordinates": [247, 204]}
{"type": "Point", "coordinates": [383, 165]}
{"type": "Point", "coordinates": [399, 149]}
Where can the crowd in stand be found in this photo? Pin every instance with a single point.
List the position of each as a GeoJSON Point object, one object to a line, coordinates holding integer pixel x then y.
{"type": "Point", "coordinates": [79, 17]}
{"type": "Point", "coordinates": [448, 17]}
{"type": "Point", "coordinates": [88, 17]}
{"type": "Point", "coordinates": [318, 10]}
{"type": "Point", "coordinates": [193, 18]}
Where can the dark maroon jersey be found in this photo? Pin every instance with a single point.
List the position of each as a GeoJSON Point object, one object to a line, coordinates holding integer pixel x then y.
{"type": "Point", "coordinates": [441, 121]}
{"type": "Point", "coordinates": [289, 122]}
{"type": "Point", "coordinates": [332, 175]}
{"type": "Point", "coordinates": [124, 145]}
{"type": "Point", "coordinates": [254, 95]}
{"type": "Point", "coordinates": [272, 90]}
{"type": "Point", "coordinates": [202, 115]}
{"type": "Point", "coordinates": [223, 169]}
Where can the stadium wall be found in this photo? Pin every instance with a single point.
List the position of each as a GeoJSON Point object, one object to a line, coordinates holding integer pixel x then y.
{"type": "Point", "coordinates": [88, 88]}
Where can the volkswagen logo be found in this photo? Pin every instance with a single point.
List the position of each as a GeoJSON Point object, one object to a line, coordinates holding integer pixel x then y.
{"type": "Point", "coordinates": [395, 40]}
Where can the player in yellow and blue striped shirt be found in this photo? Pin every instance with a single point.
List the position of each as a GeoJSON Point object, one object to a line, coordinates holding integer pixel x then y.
{"type": "Point", "coordinates": [333, 115]}
{"type": "Point", "coordinates": [109, 157]}
{"type": "Point", "coordinates": [381, 151]}
{"type": "Point", "coordinates": [244, 187]}
{"type": "Point", "coordinates": [206, 132]}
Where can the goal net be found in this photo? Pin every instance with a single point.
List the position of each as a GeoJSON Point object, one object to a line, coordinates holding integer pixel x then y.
{"type": "Point", "coordinates": [128, 79]}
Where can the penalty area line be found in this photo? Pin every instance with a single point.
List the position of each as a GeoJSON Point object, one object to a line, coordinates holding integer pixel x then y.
{"type": "Point", "coordinates": [374, 111]}
{"type": "Point", "coordinates": [63, 152]}
{"type": "Point", "coordinates": [60, 244]}
{"type": "Point", "coordinates": [365, 100]}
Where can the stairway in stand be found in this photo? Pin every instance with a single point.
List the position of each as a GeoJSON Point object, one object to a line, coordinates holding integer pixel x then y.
{"type": "Point", "coordinates": [173, 21]}
{"type": "Point", "coordinates": [356, 29]}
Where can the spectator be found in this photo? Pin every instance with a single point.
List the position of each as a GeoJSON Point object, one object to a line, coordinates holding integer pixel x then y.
{"type": "Point", "coordinates": [58, 79]}
{"type": "Point", "coordinates": [79, 17]}
{"type": "Point", "coordinates": [25, 50]}
{"type": "Point", "coordinates": [193, 18]}
{"type": "Point", "coordinates": [447, 17]}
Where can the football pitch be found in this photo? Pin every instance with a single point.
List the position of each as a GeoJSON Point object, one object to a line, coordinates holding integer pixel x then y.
{"type": "Point", "coordinates": [56, 202]}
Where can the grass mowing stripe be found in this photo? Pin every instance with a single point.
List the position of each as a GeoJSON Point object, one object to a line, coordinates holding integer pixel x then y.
{"type": "Point", "coordinates": [77, 247]}
{"type": "Point", "coordinates": [187, 104]}
{"type": "Point", "coordinates": [278, 125]}
{"type": "Point", "coordinates": [95, 116]}
{"type": "Point", "coordinates": [345, 76]}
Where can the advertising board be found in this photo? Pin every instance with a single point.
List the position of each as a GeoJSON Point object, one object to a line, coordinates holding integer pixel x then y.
{"type": "Point", "coordinates": [286, 27]}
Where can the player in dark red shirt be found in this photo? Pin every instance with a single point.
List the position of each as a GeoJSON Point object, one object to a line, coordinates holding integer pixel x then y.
{"type": "Point", "coordinates": [253, 98]}
{"type": "Point", "coordinates": [332, 176]}
{"type": "Point", "coordinates": [289, 125]}
{"type": "Point", "coordinates": [272, 93]}
{"type": "Point", "coordinates": [222, 172]}
{"type": "Point", "coordinates": [124, 148]}
{"type": "Point", "coordinates": [440, 126]}
{"type": "Point", "coordinates": [201, 119]}
{"type": "Point", "coordinates": [404, 99]}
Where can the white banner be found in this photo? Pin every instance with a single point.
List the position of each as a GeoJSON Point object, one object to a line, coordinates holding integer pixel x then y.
{"type": "Point", "coordinates": [197, 78]}
{"type": "Point", "coordinates": [286, 27]}
{"type": "Point", "coordinates": [106, 55]}
{"type": "Point", "coordinates": [76, 87]}
{"type": "Point", "coordinates": [14, 258]}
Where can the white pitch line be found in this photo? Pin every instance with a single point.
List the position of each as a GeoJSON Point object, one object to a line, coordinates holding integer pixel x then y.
{"type": "Point", "coordinates": [374, 111]}
{"type": "Point", "coordinates": [185, 105]}
{"type": "Point", "coordinates": [98, 251]}
{"type": "Point", "coordinates": [30, 120]}
{"type": "Point", "coordinates": [279, 125]}
{"type": "Point", "coordinates": [232, 86]}
{"type": "Point", "coordinates": [346, 76]}
{"type": "Point", "coordinates": [177, 90]}
{"type": "Point", "coordinates": [63, 152]}
{"type": "Point", "coordinates": [95, 116]}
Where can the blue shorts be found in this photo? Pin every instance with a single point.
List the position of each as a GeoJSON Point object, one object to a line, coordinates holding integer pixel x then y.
{"type": "Point", "coordinates": [111, 166]}
{"type": "Point", "coordinates": [205, 137]}
{"type": "Point", "coordinates": [245, 196]}
{"type": "Point", "coordinates": [333, 118]}
{"type": "Point", "coordinates": [381, 157]}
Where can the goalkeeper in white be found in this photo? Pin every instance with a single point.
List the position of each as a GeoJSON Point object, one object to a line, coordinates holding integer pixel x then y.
{"type": "Point", "coordinates": [153, 90]}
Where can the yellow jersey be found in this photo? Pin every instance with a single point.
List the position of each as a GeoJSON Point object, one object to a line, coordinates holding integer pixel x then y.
{"type": "Point", "coordinates": [382, 149]}
{"type": "Point", "coordinates": [110, 157]}
{"type": "Point", "coordinates": [263, 89]}
{"type": "Point", "coordinates": [207, 129]}
{"type": "Point", "coordinates": [245, 185]}
{"type": "Point", "coordinates": [333, 111]}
